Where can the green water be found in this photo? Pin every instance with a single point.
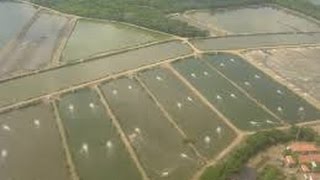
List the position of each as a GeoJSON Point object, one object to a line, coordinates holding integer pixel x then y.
{"type": "Point", "coordinates": [203, 126]}
{"type": "Point", "coordinates": [276, 97]}
{"type": "Point", "coordinates": [254, 20]}
{"type": "Point", "coordinates": [92, 37]}
{"type": "Point", "coordinates": [47, 82]}
{"type": "Point", "coordinates": [256, 41]}
{"type": "Point", "coordinates": [158, 144]}
{"type": "Point", "coordinates": [87, 124]}
{"type": "Point", "coordinates": [315, 2]}
{"type": "Point", "coordinates": [31, 142]}
{"type": "Point", "coordinates": [36, 47]}
{"type": "Point", "coordinates": [13, 16]}
{"type": "Point", "coordinates": [238, 108]}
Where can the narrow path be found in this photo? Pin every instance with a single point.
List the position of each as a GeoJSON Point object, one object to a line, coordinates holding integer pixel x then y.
{"type": "Point", "coordinates": [202, 98]}
{"type": "Point", "coordinates": [169, 118]}
{"type": "Point", "coordinates": [65, 35]}
{"type": "Point", "coordinates": [223, 154]}
{"type": "Point", "coordinates": [123, 136]}
{"type": "Point", "coordinates": [245, 93]}
{"type": "Point", "coordinates": [70, 163]}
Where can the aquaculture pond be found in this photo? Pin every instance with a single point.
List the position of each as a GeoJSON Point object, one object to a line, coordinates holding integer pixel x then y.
{"type": "Point", "coordinates": [13, 16]}
{"type": "Point", "coordinates": [35, 47]}
{"type": "Point", "coordinates": [162, 150]}
{"type": "Point", "coordinates": [253, 20]}
{"type": "Point", "coordinates": [276, 97]}
{"type": "Point", "coordinates": [30, 146]}
{"type": "Point", "coordinates": [203, 127]}
{"type": "Point", "coordinates": [257, 41]}
{"type": "Point", "coordinates": [50, 81]}
{"type": "Point", "coordinates": [95, 144]}
{"type": "Point", "coordinates": [241, 110]}
{"type": "Point", "coordinates": [92, 37]}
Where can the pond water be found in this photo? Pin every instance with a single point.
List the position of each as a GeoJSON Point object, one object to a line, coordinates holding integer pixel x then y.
{"type": "Point", "coordinates": [276, 97]}
{"type": "Point", "coordinates": [13, 16]}
{"type": "Point", "coordinates": [160, 147]}
{"type": "Point", "coordinates": [254, 20]}
{"type": "Point", "coordinates": [92, 37]}
{"type": "Point", "coordinates": [35, 48]}
{"type": "Point", "coordinates": [30, 146]}
{"type": "Point", "coordinates": [95, 144]}
{"type": "Point", "coordinates": [245, 113]}
{"type": "Point", "coordinates": [47, 82]}
{"type": "Point", "coordinates": [202, 126]}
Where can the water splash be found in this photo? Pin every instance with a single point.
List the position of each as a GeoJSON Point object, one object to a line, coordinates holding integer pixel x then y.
{"type": "Point", "coordinates": [114, 92]}
{"type": "Point", "coordinates": [6, 127]}
{"type": "Point", "coordinates": [4, 153]}
{"type": "Point", "coordinates": [92, 105]}
{"type": "Point", "coordinates": [165, 174]}
{"type": "Point", "coordinates": [269, 121]}
{"type": "Point", "coordinates": [84, 148]}
{"type": "Point", "coordinates": [36, 123]}
{"type": "Point", "coordinates": [254, 123]}
{"type": "Point", "coordinates": [279, 92]}
{"type": "Point", "coordinates": [233, 96]}
{"type": "Point", "coordinates": [219, 97]}
{"type": "Point", "coordinates": [137, 130]}
{"type": "Point", "coordinates": [301, 108]}
{"type": "Point", "coordinates": [219, 130]}
{"type": "Point", "coordinates": [183, 155]}
{"type": "Point", "coordinates": [247, 83]}
{"type": "Point", "coordinates": [207, 140]}
{"type": "Point", "coordinates": [159, 78]}
{"type": "Point", "coordinates": [109, 144]}
{"type": "Point", "coordinates": [71, 107]}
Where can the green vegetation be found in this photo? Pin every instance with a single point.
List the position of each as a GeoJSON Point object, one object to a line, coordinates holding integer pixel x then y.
{"type": "Point", "coordinates": [304, 6]}
{"type": "Point", "coordinates": [252, 146]}
{"type": "Point", "coordinates": [147, 13]}
{"type": "Point", "coordinates": [271, 173]}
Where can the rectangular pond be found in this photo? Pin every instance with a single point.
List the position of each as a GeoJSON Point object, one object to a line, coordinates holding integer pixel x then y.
{"type": "Point", "coordinates": [276, 97]}
{"type": "Point", "coordinates": [161, 148]}
{"type": "Point", "coordinates": [242, 111]}
{"type": "Point", "coordinates": [203, 127]}
{"type": "Point", "coordinates": [257, 41]}
{"type": "Point", "coordinates": [252, 20]}
{"type": "Point", "coordinates": [92, 37]}
{"type": "Point", "coordinates": [47, 82]}
{"type": "Point", "coordinates": [30, 145]}
{"type": "Point", "coordinates": [35, 47]}
{"type": "Point", "coordinates": [95, 144]}
{"type": "Point", "coordinates": [13, 16]}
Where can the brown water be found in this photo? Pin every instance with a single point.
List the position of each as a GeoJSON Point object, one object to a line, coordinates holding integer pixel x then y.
{"type": "Point", "coordinates": [47, 82]}
{"type": "Point", "coordinates": [30, 145]}
{"type": "Point", "coordinates": [35, 48]}
{"type": "Point", "coordinates": [95, 144]}
{"type": "Point", "coordinates": [160, 147]}
{"type": "Point", "coordinates": [256, 41]}
{"type": "Point", "coordinates": [202, 126]}
{"type": "Point", "coordinates": [254, 20]}
{"type": "Point", "coordinates": [92, 37]}
{"type": "Point", "coordinates": [13, 16]}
